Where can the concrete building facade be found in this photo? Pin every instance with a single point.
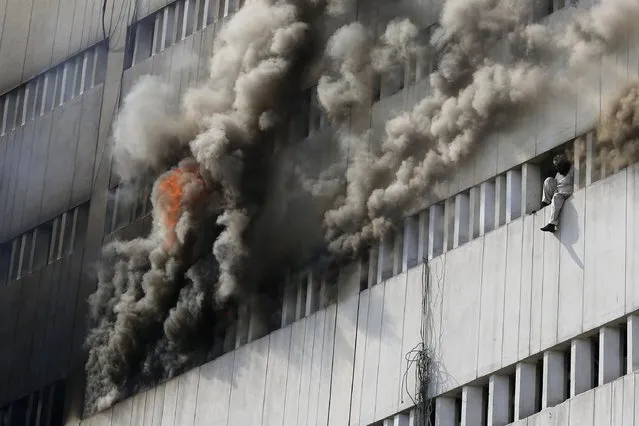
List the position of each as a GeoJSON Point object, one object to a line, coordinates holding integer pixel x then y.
{"type": "Point", "coordinates": [521, 327]}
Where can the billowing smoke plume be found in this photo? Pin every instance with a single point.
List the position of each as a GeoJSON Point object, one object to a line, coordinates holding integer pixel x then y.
{"type": "Point", "coordinates": [474, 92]}
{"type": "Point", "coordinates": [164, 301]}
{"type": "Point", "coordinates": [618, 131]}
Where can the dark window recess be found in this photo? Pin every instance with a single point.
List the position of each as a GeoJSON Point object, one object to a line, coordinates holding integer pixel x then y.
{"type": "Point", "coordinates": [81, 224]}
{"type": "Point", "coordinates": [15, 259]}
{"type": "Point", "coordinates": [108, 217]}
{"type": "Point", "coordinates": [42, 408]}
{"type": "Point", "coordinates": [43, 235]}
{"type": "Point", "coordinates": [539, 372]}
{"type": "Point", "coordinates": [5, 262]}
{"type": "Point", "coordinates": [363, 271]}
{"type": "Point", "coordinates": [123, 205]}
{"type": "Point", "coordinates": [66, 234]}
{"type": "Point", "coordinates": [594, 342]}
{"type": "Point", "coordinates": [25, 254]}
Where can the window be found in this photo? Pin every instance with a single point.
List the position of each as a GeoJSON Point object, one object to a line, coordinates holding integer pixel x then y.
{"type": "Point", "coordinates": [42, 408]}
{"type": "Point", "coordinates": [42, 245]}
{"type": "Point", "coordinates": [5, 262]}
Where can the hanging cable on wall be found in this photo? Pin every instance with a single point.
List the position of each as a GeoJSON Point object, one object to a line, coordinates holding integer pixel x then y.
{"type": "Point", "coordinates": [420, 359]}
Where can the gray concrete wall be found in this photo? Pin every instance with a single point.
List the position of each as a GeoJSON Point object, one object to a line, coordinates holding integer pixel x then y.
{"type": "Point", "coordinates": [608, 405]}
{"type": "Point", "coordinates": [492, 302]}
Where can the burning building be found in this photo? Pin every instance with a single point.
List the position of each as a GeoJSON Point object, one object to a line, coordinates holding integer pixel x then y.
{"type": "Point", "coordinates": [317, 212]}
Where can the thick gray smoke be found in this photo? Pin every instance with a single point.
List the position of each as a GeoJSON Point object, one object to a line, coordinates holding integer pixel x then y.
{"type": "Point", "coordinates": [618, 131]}
{"type": "Point", "coordinates": [473, 92]}
{"type": "Point", "coordinates": [163, 301]}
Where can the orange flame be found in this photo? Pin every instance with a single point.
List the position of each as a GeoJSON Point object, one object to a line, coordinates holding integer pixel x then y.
{"type": "Point", "coordinates": [172, 189]}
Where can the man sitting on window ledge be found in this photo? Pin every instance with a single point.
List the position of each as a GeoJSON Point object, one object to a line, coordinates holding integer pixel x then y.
{"type": "Point", "coordinates": [557, 189]}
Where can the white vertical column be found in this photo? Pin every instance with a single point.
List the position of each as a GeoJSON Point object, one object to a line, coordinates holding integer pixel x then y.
{"type": "Point", "coordinates": [423, 245]}
{"type": "Point", "coordinates": [592, 174]}
{"type": "Point", "coordinates": [372, 266]}
{"type": "Point", "coordinates": [498, 401]}
{"type": "Point", "coordinates": [435, 230]}
{"type": "Point", "coordinates": [500, 200]}
{"type": "Point", "coordinates": [554, 389]}
{"type": "Point", "coordinates": [610, 361]}
{"type": "Point", "coordinates": [258, 326]}
{"type": "Point", "coordinates": [398, 251]}
{"type": "Point", "coordinates": [445, 412]}
{"type": "Point", "coordinates": [312, 292]}
{"type": "Point", "coordinates": [513, 195]}
{"type": "Point", "coordinates": [385, 258]}
{"type": "Point", "coordinates": [401, 419]}
{"type": "Point", "coordinates": [461, 219]}
{"type": "Point", "coordinates": [579, 162]}
{"type": "Point", "coordinates": [633, 344]}
{"type": "Point", "coordinates": [531, 188]}
{"type": "Point", "coordinates": [525, 390]}
{"type": "Point", "coordinates": [411, 242]}
{"type": "Point", "coordinates": [472, 407]}
{"type": "Point", "coordinates": [474, 209]}
{"type": "Point", "coordinates": [582, 372]}
{"type": "Point", "coordinates": [449, 223]}
{"type": "Point", "coordinates": [243, 319]}
{"type": "Point", "coordinates": [289, 301]}
{"type": "Point", "coordinates": [300, 302]}
{"type": "Point", "coordinates": [486, 207]}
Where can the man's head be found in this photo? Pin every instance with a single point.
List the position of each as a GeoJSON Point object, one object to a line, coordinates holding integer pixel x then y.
{"type": "Point", "coordinates": [559, 159]}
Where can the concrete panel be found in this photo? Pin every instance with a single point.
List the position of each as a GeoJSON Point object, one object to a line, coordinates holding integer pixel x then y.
{"type": "Point", "coordinates": [571, 267]}
{"type": "Point", "coordinates": [605, 260]}
{"type": "Point", "coordinates": [42, 359]}
{"type": "Point", "coordinates": [360, 356]}
{"type": "Point", "coordinates": [411, 335]}
{"type": "Point", "coordinates": [557, 113]}
{"type": "Point", "coordinates": [5, 177]}
{"type": "Point", "coordinates": [632, 239]}
{"type": "Point", "coordinates": [518, 143]}
{"type": "Point", "coordinates": [327, 366]}
{"type": "Point", "coordinates": [628, 415]}
{"type": "Point", "coordinates": [582, 409]}
{"type": "Point", "coordinates": [77, 27]}
{"type": "Point", "coordinates": [13, 42]}
{"type": "Point", "coordinates": [390, 355]}
{"type": "Point", "coordinates": [149, 407]}
{"type": "Point", "coordinates": [249, 378]}
{"type": "Point", "coordinates": [512, 293]}
{"type": "Point", "coordinates": [491, 318]}
{"type": "Point", "coordinates": [122, 413]}
{"type": "Point", "coordinates": [371, 360]}
{"type": "Point", "coordinates": [187, 386]}
{"type": "Point", "coordinates": [38, 164]}
{"type": "Point", "coordinates": [276, 375]}
{"type": "Point", "coordinates": [461, 313]}
{"type": "Point", "coordinates": [62, 153]}
{"type": "Point", "coordinates": [603, 405]}
{"type": "Point", "coordinates": [550, 291]}
{"type": "Point", "coordinates": [138, 407]}
{"type": "Point", "coordinates": [293, 380]}
{"type": "Point", "coordinates": [344, 351]}
{"type": "Point", "coordinates": [23, 172]}
{"type": "Point", "coordinates": [10, 169]}
{"type": "Point", "coordinates": [525, 298]}
{"type": "Point", "coordinates": [10, 303]}
{"type": "Point", "coordinates": [23, 333]}
{"type": "Point", "coordinates": [62, 36]}
{"type": "Point", "coordinates": [89, 23]}
{"type": "Point", "coordinates": [170, 402]}
{"type": "Point", "coordinates": [214, 391]}
{"type": "Point", "coordinates": [537, 283]}
{"type": "Point", "coordinates": [617, 403]}
{"type": "Point", "coordinates": [162, 64]}
{"type": "Point", "coordinates": [316, 369]}
{"type": "Point", "coordinates": [158, 405]}
{"type": "Point", "coordinates": [87, 141]}
{"type": "Point", "coordinates": [486, 159]}
{"type": "Point", "coordinates": [39, 46]}
{"type": "Point", "coordinates": [588, 96]}
{"type": "Point", "coordinates": [307, 362]}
